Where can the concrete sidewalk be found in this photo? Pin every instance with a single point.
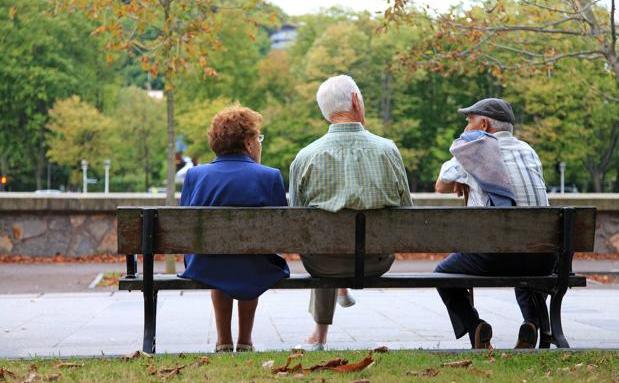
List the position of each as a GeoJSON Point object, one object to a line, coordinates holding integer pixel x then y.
{"type": "Point", "coordinates": [111, 322]}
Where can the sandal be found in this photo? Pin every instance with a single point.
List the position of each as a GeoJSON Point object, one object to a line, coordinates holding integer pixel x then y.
{"type": "Point", "coordinates": [224, 348]}
{"type": "Point", "coordinates": [244, 347]}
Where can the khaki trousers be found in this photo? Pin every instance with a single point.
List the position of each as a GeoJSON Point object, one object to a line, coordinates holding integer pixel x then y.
{"type": "Point", "coordinates": [322, 301]}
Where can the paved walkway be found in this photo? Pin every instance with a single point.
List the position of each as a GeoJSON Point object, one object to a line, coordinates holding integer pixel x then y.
{"type": "Point", "coordinates": [111, 322]}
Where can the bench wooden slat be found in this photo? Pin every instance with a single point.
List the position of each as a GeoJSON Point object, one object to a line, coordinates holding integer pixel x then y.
{"type": "Point", "coordinates": [305, 230]}
{"type": "Point", "coordinates": [390, 280]}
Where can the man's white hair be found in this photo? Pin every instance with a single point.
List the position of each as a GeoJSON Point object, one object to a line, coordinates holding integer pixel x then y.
{"type": "Point", "coordinates": [500, 126]}
{"type": "Point", "coordinates": [335, 95]}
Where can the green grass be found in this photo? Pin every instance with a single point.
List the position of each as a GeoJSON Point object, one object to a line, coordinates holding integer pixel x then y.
{"type": "Point", "coordinates": [393, 366]}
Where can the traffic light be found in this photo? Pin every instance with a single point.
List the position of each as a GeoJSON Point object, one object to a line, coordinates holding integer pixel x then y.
{"type": "Point", "coordinates": [4, 180]}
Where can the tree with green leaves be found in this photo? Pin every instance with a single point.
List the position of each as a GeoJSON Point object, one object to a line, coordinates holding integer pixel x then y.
{"type": "Point", "coordinates": [511, 39]}
{"type": "Point", "coordinates": [42, 59]}
{"type": "Point", "coordinates": [180, 34]}
{"type": "Point", "coordinates": [140, 129]}
{"type": "Point", "coordinates": [79, 131]}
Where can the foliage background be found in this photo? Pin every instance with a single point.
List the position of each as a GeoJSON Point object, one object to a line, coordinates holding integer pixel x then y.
{"type": "Point", "coordinates": [62, 99]}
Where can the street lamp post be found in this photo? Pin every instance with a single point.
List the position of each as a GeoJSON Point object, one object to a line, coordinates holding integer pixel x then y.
{"type": "Point", "coordinates": [106, 166]}
{"type": "Point", "coordinates": [84, 176]}
{"type": "Point", "coordinates": [562, 171]}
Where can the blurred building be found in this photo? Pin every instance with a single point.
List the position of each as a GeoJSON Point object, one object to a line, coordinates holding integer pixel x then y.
{"type": "Point", "coordinates": [284, 37]}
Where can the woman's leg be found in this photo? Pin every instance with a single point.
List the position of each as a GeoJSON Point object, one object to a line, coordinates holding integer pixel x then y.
{"type": "Point", "coordinates": [223, 316]}
{"type": "Point", "coordinates": [247, 311]}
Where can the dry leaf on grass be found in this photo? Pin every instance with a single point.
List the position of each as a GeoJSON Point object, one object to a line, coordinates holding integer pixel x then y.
{"type": "Point", "coordinates": [352, 367]}
{"type": "Point", "coordinates": [169, 372]}
{"type": "Point", "coordinates": [268, 365]}
{"type": "Point", "coordinates": [381, 349]}
{"type": "Point", "coordinates": [203, 361]}
{"type": "Point", "coordinates": [5, 374]}
{"type": "Point", "coordinates": [429, 372]}
{"type": "Point", "coordinates": [136, 355]}
{"type": "Point", "coordinates": [458, 363]}
{"type": "Point", "coordinates": [328, 365]}
{"type": "Point", "coordinates": [284, 368]}
{"type": "Point", "coordinates": [337, 365]}
{"type": "Point", "coordinates": [69, 365]}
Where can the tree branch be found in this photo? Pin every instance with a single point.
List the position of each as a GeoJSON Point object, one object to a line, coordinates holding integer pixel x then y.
{"type": "Point", "coordinates": [613, 31]}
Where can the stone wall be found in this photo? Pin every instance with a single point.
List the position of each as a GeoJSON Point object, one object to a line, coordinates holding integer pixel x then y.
{"type": "Point", "coordinates": [77, 224]}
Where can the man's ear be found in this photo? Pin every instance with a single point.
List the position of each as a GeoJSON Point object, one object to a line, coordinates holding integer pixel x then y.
{"type": "Point", "coordinates": [485, 125]}
{"type": "Point", "coordinates": [356, 107]}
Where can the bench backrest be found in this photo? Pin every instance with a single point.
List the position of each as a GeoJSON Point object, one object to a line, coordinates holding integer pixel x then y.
{"type": "Point", "coordinates": [221, 230]}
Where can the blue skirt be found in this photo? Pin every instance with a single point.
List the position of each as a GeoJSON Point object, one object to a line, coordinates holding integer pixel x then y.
{"type": "Point", "coordinates": [242, 277]}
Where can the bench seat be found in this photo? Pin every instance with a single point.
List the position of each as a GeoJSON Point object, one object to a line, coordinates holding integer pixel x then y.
{"type": "Point", "coordinates": [389, 280]}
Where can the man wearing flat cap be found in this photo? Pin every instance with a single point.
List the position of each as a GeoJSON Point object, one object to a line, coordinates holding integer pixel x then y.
{"type": "Point", "coordinates": [491, 167]}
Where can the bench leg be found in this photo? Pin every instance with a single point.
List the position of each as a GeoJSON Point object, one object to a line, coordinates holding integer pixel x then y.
{"type": "Point", "coordinates": [150, 322]}
{"type": "Point", "coordinates": [555, 319]}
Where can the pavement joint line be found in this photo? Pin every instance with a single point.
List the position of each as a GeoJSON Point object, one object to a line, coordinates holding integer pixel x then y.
{"type": "Point", "coordinates": [95, 281]}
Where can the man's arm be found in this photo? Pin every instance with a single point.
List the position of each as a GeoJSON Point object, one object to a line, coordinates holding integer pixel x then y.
{"type": "Point", "coordinates": [452, 179]}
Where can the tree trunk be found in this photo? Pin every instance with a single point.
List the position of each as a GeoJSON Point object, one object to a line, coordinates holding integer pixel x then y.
{"type": "Point", "coordinates": [170, 264]}
{"type": "Point", "coordinates": [597, 179]}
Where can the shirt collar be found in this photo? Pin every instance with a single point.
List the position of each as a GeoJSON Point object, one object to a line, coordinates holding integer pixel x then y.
{"type": "Point", "coordinates": [502, 134]}
{"type": "Point", "coordinates": [242, 157]}
{"type": "Point", "coordinates": [346, 127]}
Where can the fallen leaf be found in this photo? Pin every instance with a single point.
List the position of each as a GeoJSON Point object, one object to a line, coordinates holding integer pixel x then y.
{"type": "Point", "coordinates": [169, 372]}
{"type": "Point", "coordinates": [284, 368]}
{"type": "Point", "coordinates": [268, 364]}
{"type": "Point", "coordinates": [5, 373]}
{"type": "Point", "coordinates": [430, 372]}
{"type": "Point", "coordinates": [352, 367]}
{"type": "Point", "coordinates": [69, 365]}
{"type": "Point", "coordinates": [203, 361]}
{"type": "Point", "coordinates": [328, 365]}
{"type": "Point", "coordinates": [136, 355]}
{"type": "Point", "coordinates": [381, 349]}
{"type": "Point", "coordinates": [458, 364]}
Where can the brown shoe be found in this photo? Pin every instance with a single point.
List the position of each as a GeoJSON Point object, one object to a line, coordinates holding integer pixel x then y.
{"type": "Point", "coordinates": [527, 336]}
{"type": "Point", "coordinates": [483, 335]}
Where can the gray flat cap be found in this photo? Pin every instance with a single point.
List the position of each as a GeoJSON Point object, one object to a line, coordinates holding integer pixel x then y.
{"type": "Point", "coordinates": [495, 108]}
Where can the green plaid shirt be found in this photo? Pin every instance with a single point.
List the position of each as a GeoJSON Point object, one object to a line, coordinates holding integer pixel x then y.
{"type": "Point", "coordinates": [349, 168]}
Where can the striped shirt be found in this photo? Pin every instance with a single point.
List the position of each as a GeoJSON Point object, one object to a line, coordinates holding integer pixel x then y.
{"type": "Point", "coordinates": [349, 168]}
{"type": "Point", "coordinates": [524, 169]}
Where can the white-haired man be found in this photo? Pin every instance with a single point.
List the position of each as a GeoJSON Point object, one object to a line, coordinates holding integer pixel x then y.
{"type": "Point", "coordinates": [513, 172]}
{"type": "Point", "coordinates": [347, 168]}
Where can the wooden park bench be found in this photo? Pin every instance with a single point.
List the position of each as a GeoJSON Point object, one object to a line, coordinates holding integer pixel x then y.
{"type": "Point", "coordinates": [222, 230]}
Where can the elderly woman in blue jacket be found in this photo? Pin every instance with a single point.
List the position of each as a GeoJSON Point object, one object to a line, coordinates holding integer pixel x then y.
{"type": "Point", "coordinates": [235, 178]}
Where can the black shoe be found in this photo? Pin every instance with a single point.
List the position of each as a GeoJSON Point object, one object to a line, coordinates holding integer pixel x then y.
{"type": "Point", "coordinates": [527, 336]}
{"type": "Point", "coordinates": [483, 335]}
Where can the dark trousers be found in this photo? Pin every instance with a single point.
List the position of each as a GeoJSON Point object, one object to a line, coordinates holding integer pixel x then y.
{"type": "Point", "coordinates": [464, 317]}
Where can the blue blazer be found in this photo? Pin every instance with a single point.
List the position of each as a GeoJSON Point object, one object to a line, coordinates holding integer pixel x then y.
{"type": "Point", "coordinates": [235, 180]}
